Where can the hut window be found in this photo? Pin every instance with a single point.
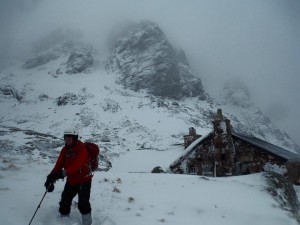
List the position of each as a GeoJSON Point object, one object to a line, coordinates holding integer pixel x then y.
{"type": "Point", "coordinates": [193, 170]}
{"type": "Point", "coordinates": [207, 169]}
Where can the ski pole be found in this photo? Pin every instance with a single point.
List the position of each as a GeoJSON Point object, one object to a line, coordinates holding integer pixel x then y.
{"type": "Point", "coordinates": [38, 206]}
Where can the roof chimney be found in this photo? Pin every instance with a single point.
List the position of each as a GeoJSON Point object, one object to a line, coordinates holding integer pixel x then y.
{"type": "Point", "coordinates": [223, 142]}
{"type": "Point", "coordinates": [191, 137]}
{"type": "Point", "coordinates": [219, 114]}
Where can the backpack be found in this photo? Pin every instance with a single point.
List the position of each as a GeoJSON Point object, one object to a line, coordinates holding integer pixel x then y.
{"type": "Point", "coordinates": [93, 151]}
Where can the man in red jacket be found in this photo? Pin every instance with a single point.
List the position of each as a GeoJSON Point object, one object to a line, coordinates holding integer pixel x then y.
{"type": "Point", "coordinates": [73, 163]}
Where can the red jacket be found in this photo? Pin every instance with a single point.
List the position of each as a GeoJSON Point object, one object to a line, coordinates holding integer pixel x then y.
{"type": "Point", "coordinates": [75, 161]}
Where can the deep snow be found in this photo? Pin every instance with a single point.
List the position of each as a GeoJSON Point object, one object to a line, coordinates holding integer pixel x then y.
{"type": "Point", "coordinates": [124, 196]}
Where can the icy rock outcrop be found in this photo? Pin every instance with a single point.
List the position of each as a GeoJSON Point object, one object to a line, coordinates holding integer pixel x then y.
{"type": "Point", "coordinates": [79, 62]}
{"type": "Point", "coordinates": [281, 189]}
{"type": "Point", "coordinates": [71, 99]}
{"type": "Point", "coordinates": [146, 60]}
{"type": "Point", "coordinates": [8, 91]}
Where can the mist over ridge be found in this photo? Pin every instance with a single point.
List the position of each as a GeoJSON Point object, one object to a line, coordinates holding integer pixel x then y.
{"type": "Point", "coordinates": [257, 41]}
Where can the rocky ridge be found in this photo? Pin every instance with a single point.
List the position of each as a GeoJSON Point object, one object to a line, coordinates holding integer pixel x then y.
{"type": "Point", "coordinates": [147, 61]}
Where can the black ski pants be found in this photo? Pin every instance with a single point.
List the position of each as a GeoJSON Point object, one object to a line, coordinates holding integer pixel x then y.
{"type": "Point", "coordinates": [70, 191]}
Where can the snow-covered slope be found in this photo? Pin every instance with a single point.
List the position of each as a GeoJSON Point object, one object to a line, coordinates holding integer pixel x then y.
{"type": "Point", "coordinates": [42, 95]}
{"type": "Point", "coordinates": [67, 85]}
{"type": "Point", "coordinates": [141, 198]}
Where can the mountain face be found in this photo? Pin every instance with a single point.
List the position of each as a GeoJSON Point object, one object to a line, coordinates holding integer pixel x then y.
{"type": "Point", "coordinates": [147, 101]}
{"type": "Point", "coordinates": [235, 100]}
{"type": "Point", "coordinates": [78, 56]}
{"type": "Point", "coordinates": [147, 61]}
{"type": "Point", "coordinates": [235, 92]}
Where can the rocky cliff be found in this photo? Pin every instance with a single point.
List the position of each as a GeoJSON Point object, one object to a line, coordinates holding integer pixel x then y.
{"type": "Point", "coordinates": [147, 61]}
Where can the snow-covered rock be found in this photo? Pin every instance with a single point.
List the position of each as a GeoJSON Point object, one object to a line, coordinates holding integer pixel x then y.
{"type": "Point", "coordinates": [8, 91]}
{"type": "Point", "coordinates": [147, 61]}
{"type": "Point", "coordinates": [79, 62]}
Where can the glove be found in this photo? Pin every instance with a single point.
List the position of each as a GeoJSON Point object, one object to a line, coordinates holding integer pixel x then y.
{"type": "Point", "coordinates": [49, 184]}
{"type": "Point", "coordinates": [52, 178]}
{"type": "Point", "coordinates": [50, 187]}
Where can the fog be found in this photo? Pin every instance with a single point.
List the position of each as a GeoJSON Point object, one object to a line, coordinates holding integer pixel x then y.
{"type": "Point", "coordinates": [255, 40]}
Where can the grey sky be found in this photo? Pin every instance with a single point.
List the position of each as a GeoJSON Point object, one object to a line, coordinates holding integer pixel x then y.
{"type": "Point", "coordinates": [256, 40]}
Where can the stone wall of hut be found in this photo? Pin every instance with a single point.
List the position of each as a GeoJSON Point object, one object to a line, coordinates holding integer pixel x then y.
{"type": "Point", "coordinates": [208, 160]}
{"type": "Point", "coordinates": [251, 159]}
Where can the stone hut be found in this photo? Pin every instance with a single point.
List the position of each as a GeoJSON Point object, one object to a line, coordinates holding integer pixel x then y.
{"type": "Point", "coordinates": [222, 152]}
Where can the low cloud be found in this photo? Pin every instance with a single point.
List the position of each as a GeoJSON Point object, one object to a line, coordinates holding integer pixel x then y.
{"type": "Point", "coordinates": [257, 41]}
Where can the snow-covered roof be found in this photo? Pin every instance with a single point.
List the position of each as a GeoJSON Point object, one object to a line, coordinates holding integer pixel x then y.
{"type": "Point", "coordinates": [273, 149]}
{"type": "Point", "coordinates": [190, 148]}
